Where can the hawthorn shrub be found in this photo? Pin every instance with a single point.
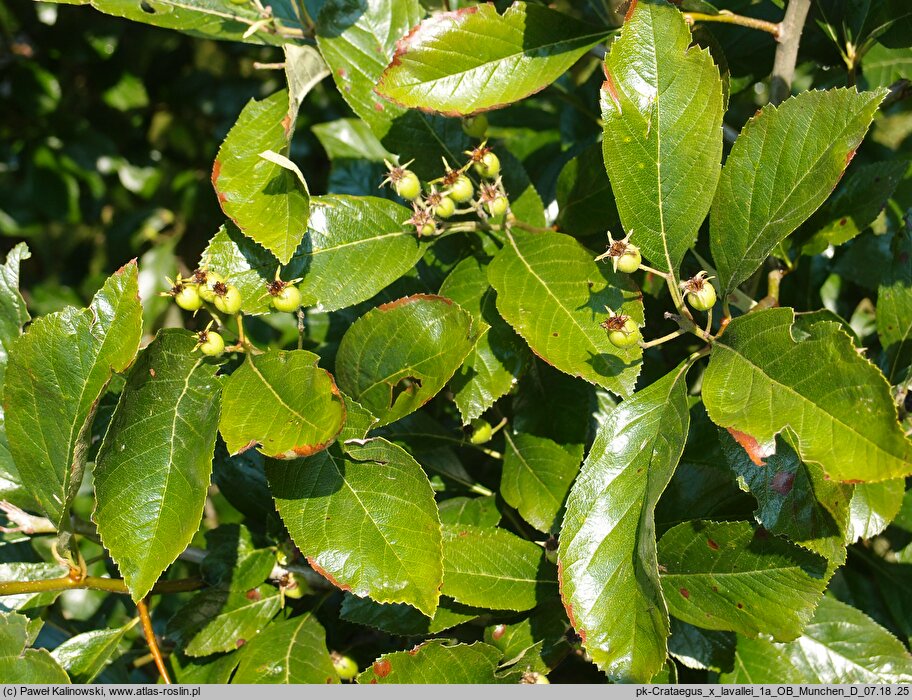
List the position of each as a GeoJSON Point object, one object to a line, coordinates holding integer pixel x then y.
{"type": "Point", "coordinates": [608, 380]}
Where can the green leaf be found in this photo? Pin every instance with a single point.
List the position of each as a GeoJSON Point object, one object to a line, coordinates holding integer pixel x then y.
{"type": "Point", "coordinates": [536, 478]}
{"type": "Point", "coordinates": [760, 381]}
{"type": "Point", "coordinates": [727, 576]}
{"type": "Point", "coordinates": [607, 557]}
{"type": "Point", "coordinates": [26, 571]}
{"type": "Point", "coordinates": [783, 166]}
{"type": "Point", "coordinates": [840, 645]}
{"type": "Point", "coordinates": [210, 19]}
{"type": "Point", "coordinates": [13, 316]}
{"type": "Point", "coordinates": [662, 108]}
{"type": "Point", "coordinates": [212, 670]}
{"type": "Point", "coordinates": [85, 655]}
{"type": "Point", "coordinates": [404, 620]}
{"type": "Point", "coordinates": [268, 202]}
{"type": "Point", "coordinates": [365, 520]}
{"type": "Point", "coordinates": [57, 372]}
{"type": "Point", "coordinates": [436, 662]}
{"type": "Point", "coordinates": [357, 38]}
{"type": "Point", "coordinates": [854, 206]}
{"type": "Point", "coordinates": [474, 60]}
{"type": "Point", "coordinates": [499, 356]}
{"type": "Point", "coordinates": [283, 402]}
{"type": "Point", "coordinates": [290, 651]}
{"type": "Point", "coordinates": [894, 312]}
{"type": "Point", "coordinates": [584, 196]}
{"type": "Point", "coordinates": [554, 295]}
{"type": "Point", "coordinates": [21, 665]}
{"type": "Point", "coordinates": [218, 620]}
{"type": "Point", "coordinates": [13, 312]}
{"type": "Point", "coordinates": [493, 568]}
{"type": "Point", "coordinates": [873, 507]}
{"type": "Point", "coordinates": [354, 248]}
{"type": "Point", "coordinates": [794, 499]}
{"type": "Point", "coordinates": [699, 648]}
{"type": "Point", "coordinates": [152, 470]}
{"type": "Point", "coordinates": [232, 559]}
{"type": "Point", "coordinates": [350, 139]}
{"type": "Point", "coordinates": [539, 641]}
{"type": "Point", "coordinates": [882, 66]}
{"type": "Point", "coordinates": [399, 355]}
{"type": "Point", "coordinates": [461, 510]}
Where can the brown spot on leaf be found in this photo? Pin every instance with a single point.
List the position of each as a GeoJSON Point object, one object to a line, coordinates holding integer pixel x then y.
{"type": "Point", "coordinates": [712, 544]}
{"type": "Point", "coordinates": [782, 482]}
{"type": "Point", "coordinates": [740, 606]}
{"type": "Point", "coordinates": [568, 606]}
{"type": "Point", "coordinates": [325, 574]}
{"type": "Point", "coordinates": [498, 632]}
{"type": "Point", "coordinates": [382, 668]}
{"type": "Point", "coordinates": [253, 594]}
{"type": "Point", "coordinates": [152, 373]}
{"type": "Point", "coordinates": [842, 221]}
{"type": "Point", "coordinates": [287, 125]}
{"type": "Point", "coordinates": [754, 450]}
{"type": "Point", "coordinates": [378, 107]}
{"type": "Point", "coordinates": [240, 642]}
{"type": "Point", "coordinates": [342, 73]}
{"type": "Point", "coordinates": [684, 592]}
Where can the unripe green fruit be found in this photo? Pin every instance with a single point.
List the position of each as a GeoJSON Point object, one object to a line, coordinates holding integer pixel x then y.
{"type": "Point", "coordinates": [427, 230]}
{"type": "Point", "coordinates": [188, 297]}
{"type": "Point", "coordinates": [625, 337]}
{"type": "Point", "coordinates": [408, 186]}
{"type": "Point", "coordinates": [230, 301]}
{"type": "Point", "coordinates": [497, 206]}
{"type": "Point", "coordinates": [213, 345]}
{"type": "Point", "coordinates": [345, 666]}
{"type": "Point", "coordinates": [488, 166]}
{"type": "Point", "coordinates": [206, 290]}
{"type": "Point", "coordinates": [481, 431]}
{"type": "Point", "coordinates": [703, 299]}
{"type": "Point", "coordinates": [288, 300]}
{"type": "Point", "coordinates": [446, 208]}
{"type": "Point", "coordinates": [630, 260]}
{"type": "Point", "coordinates": [462, 190]}
{"type": "Point", "coordinates": [476, 126]}
{"type": "Point", "coordinates": [293, 587]}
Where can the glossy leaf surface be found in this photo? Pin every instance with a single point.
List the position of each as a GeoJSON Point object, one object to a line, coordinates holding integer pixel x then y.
{"type": "Point", "coordinates": [608, 569]}
{"type": "Point", "coordinates": [367, 521]}
{"type": "Point", "coordinates": [554, 295]}
{"type": "Point", "coordinates": [473, 59]}
{"type": "Point", "coordinates": [760, 380]}
{"type": "Point", "coordinates": [662, 109]}
{"type": "Point", "coordinates": [152, 470]}
{"type": "Point", "coordinates": [396, 357]}
{"type": "Point", "coordinates": [283, 403]}
{"type": "Point", "coordinates": [56, 374]}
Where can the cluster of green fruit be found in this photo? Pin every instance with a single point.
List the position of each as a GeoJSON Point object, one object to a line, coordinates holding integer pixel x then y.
{"type": "Point", "coordinates": [622, 330]}
{"type": "Point", "coordinates": [440, 199]}
{"type": "Point", "coordinates": [190, 293]}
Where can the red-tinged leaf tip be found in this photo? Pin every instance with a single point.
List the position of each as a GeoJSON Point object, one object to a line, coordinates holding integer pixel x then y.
{"type": "Point", "coordinates": [429, 27]}
{"type": "Point", "coordinates": [754, 449]}
{"type": "Point", "coordinates": [568, 606]}
{"type": "Point", "coordinates": [382, 668]}
{"type": "Point", "coordinates": [782, 482]}
{"type": "Point", "coordinates": [684, 592]}
{"type": "Point", "coordinates": [630, 10]}
{"type": "Point", "coordinates": [325, 574]}
{"type": "Point", "coordinates": [249, 445]}
{"type": "Point", "coordinates": [388, 306]}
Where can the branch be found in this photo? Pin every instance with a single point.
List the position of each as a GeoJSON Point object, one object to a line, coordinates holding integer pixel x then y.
{"type": "Point", "coordinates": [726, 17]}
{"type": "Point", "coordinates": [95, 583]}
{"type": "Point", "coordinates": [150, 638]}
{"type": "Point", "coordinates": [787, 51]}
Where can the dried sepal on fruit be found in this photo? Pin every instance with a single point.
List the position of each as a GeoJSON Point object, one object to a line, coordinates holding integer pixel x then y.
{"type": "Point", "coordinates": [624, 255]}
{"type": "Point", "coordinates": [404, 181]}
{"type": "Point", "coordinates": [185, 293]}
{"type": "Point", "coordinates": [485, 161]}
{"type": "Point", "coordinates": [423, 221]}
{"type": "Point", "coordinates": [700, 293]}
{"type": "Point", "coordinates": [622, 330]}
{"type": "Point", "coordinates": [210, 342]}
{"type": "Point", "coordinates": [285, 296]}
